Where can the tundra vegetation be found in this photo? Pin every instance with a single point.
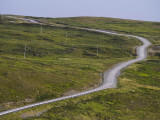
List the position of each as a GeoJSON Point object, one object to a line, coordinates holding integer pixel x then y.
{"type": "Point", "coordinates": [55, 66]}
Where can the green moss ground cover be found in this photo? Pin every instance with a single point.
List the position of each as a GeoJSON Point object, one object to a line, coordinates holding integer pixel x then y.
{"type": "Point", "coordinates": [131, 100]}
{"type": "Point", "coordinates": [54, 66]}
{"type": "Point", "coordinates": [146, 29]}
{"type": "Point", "coordinates": [138, 94]}
{"type": "Point", "coordinates": [145, 73]}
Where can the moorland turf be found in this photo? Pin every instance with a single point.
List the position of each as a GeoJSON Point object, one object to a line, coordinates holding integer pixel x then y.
{"type": "Point", "coordinates": [73, 65]}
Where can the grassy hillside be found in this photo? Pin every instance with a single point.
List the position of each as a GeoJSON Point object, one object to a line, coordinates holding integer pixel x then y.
{"type": "Point", "coordinates": [132, 100]}
{"type": "Point", "coordinates": [148, 30]}
{"type": "Point", "coordinates": [138, 94]}
{"type": "Point", "coordinates": [54, 65]}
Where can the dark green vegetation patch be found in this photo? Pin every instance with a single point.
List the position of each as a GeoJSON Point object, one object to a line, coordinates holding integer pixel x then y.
{"type": "Point", "coordinates": [147, 73]}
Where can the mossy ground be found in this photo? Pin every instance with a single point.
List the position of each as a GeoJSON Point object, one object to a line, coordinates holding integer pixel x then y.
{"type": "Point", "coordinates": [138, 94]}
{"type": "Point", "coordinates": [131, 100]}
{"type": "Point", "coordinates": [53, 65]}
{"type": "Point", "coordinates": [149, 30]}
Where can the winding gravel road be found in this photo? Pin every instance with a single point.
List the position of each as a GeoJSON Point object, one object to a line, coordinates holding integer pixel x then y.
{"type": "Point", "coordinates": [109, 78]}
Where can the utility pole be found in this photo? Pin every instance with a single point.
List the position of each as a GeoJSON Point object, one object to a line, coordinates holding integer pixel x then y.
{"type": "Point", "coordinates": [25, 51]}
{"type": "Point", "coordinates": [41, 29]}
{"type": "Point", "coordinates": [97, 50]}
{"type": "Point", "coordinates": [2, 17]}
{"type": "Point", "coordinates": [66, 38]}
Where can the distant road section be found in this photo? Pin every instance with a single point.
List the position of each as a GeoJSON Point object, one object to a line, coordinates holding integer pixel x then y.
{"type": "Point", "coordinates": [109, 78]}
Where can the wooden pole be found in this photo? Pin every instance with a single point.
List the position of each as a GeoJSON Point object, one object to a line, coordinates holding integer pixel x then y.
{"type": "Point", "coordinates": [66, 38]}
{"type": "Point", "coordinates": [2, 17]}
{"type": "Point", "coordinates": [25, 51]}
{"type": "Point", "coordinates": [41, 29]}
{"type": "Point", "coordinates": [97, 50]}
